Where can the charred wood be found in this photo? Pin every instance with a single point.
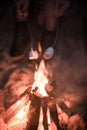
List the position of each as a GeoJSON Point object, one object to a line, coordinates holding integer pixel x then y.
{"type": "Point", "coordinates": [34, 113]}
{"type": "Point", "coordinates": [54, 92]}
{"type": "Point", "coordinates": [45, 121]}
{"type": "Point", "coordinates": [54, 115]}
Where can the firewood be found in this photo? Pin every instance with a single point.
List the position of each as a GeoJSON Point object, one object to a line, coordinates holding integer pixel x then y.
{"type": "Point", "coordinates": [13, 109]}
{"type": "Point", "coordinates": [34, 113]}
{"type": "Point", "coordinates": [65, 108]}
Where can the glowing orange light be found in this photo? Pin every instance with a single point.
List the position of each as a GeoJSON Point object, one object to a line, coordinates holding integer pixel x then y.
{"type": "Point", "coordinates": [20, 117]}
{"type": "Point", "coordinates": [39, 48]}
{"type": "Point", "coordinates": [40, 79]}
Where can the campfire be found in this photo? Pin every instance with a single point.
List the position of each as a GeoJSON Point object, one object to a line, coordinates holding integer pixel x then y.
{"type": "Point", "coordinates": [38, 106]}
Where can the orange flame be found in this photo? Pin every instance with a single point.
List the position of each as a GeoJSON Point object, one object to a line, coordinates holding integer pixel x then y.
{"type": "Point", "coordinates": [39, 48]}
{"type": "Point", "coordinates": [40, 80]}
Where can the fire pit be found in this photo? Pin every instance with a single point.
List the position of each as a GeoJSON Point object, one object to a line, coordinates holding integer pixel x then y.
{"type": "Point", "coordinates": [36, 106]}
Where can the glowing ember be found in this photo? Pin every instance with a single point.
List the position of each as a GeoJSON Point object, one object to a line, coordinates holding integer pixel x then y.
{"type": "Point", "coordinates": [20, 109]}
{"type": "Point", "coordinates": [22, 112]}
{"type": "Point", "coordinates": [48, 116]}
{"type": "Point", "coordinates": [40, 126]}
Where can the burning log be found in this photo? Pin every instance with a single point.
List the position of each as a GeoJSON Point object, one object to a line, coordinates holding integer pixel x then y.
{"type": "Point", "coordinates": [52, 110]}
{"type": "Point", "coordinates": [54, 115]}
{"type": "Point", "coordinates": [44, 108]}
{"type": "Point", "coordinates": [66, 109]}
{"type": "Point", "coordinates": [54, 92]}
{"type": "Point", "coordinates": [12, 110]}
{"type": "Point", "coordinates": [16, 106]}
{"type": "Point", "coordinates": [34, 113]}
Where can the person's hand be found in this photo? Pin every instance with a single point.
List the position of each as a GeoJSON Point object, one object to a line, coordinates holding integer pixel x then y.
{"type": "Point", "coordinates": [61, 7]}
{"type": "Point", "coordinates": [22, 10]}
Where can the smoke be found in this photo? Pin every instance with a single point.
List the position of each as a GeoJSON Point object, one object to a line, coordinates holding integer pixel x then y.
{"type": "Point", "coordinates": [69, 67]}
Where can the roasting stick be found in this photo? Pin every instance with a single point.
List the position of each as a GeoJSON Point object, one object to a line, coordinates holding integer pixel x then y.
{"type": "Point", "coordinates": [49, 52]}
{"type": "Point", "coordinates": [33, 54]}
